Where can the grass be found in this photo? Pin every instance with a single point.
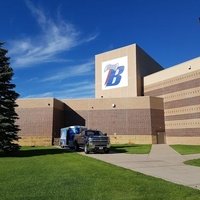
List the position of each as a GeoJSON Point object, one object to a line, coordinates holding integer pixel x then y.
{"type": "Point", "coordinates": [131, 148]}
{"type": "Point", "coordinates": [54, 174]}
{"type": "Point", "coordinates": [194, 162]}
{"type": "Point", "coordinates": [186, 149]}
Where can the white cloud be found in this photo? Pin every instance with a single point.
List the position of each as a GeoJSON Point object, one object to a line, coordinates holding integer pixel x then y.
{"type": "Point", "coordinates": [42, 95]}
{"type": "Point", "coordinates": [33, 79]}
{"type": "Point", "coordinates": [71, 71]}
{"type": "Point", "coordinates": [75, 85]}
{"type": "Point", "coordinates": [55, 37]}
{"type": "Point", "coordinates": [83, 89]}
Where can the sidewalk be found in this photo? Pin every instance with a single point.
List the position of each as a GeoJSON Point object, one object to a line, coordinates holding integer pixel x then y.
{"type": "Point", "coordinates": [162, 162]}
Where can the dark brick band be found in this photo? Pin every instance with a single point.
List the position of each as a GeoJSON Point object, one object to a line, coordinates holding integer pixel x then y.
{"type": "Point", "coordinates": [192, 75]}
{"type": "Point", "coordinates": [127, 121]}
{"type": "Point", "coordinates": [35, 121]}
{"type": "Point", "coordinates": [183, 102]}
{"type": "Point", "coordinates": [183, 117]}
{"type": "Point", "coordinates": [193, 132]}
{"type": "Point", "coordinates": [174, 88]}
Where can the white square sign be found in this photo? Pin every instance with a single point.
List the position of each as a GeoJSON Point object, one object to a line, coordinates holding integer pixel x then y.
{"type": "Point", "coordinates": [115, 73]}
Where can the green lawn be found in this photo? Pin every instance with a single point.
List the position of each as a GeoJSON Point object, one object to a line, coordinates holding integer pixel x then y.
{"type": "Point", "coordinates": [186, 149]}
{"type": "Point", "coordinates": [50, 174]}
{"type": "Point", "coordinates": [131, 148]}
{"type": "Point", "coordinates": [195, 162]}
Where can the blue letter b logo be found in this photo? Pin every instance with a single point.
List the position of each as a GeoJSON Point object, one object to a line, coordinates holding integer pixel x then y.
{"type": "Point", "coordinates": [114, 76]}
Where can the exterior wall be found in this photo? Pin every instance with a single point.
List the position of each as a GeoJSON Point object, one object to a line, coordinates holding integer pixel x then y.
{"type": "Point", "coordinates": [145, 66]}
{"type": "Point", "coordinates": [131, 89]}
{"type": "Point", "coordinates": [139, 65]}
{"type": "Point", "coordinates": [171, 104]}
{"type": "Point", "coordinates": [36, 121]}
{"type": "Point", "coordinates": [133, 139]}
{"type": "Point", "coordinates": [180, 88]}
{"type": "Point", "coordinates": [128, 121]}
{"type": "Point", "coordinates": [59, 120]}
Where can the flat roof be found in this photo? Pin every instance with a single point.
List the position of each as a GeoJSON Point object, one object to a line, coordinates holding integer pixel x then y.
{"type": "Point", "coordinates": [171, 72]}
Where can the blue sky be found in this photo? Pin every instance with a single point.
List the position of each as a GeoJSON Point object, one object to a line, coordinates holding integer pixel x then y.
{"type": "Point", "coordinates": [52, 43]}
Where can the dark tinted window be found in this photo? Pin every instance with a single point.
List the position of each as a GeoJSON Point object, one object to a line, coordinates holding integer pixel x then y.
{"type": "Point", "coordinates": [93, 133]}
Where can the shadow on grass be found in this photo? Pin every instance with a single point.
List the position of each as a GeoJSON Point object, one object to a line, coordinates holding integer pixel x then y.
{"type": "Point", "coordinates": [121, 148]}
{"type": "Point", "coordinates": [117, 149]}
{"type": "Point", "coordinates": [35, 152]}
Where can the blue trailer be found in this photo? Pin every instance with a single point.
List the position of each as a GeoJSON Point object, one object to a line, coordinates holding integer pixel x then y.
{"type": "Point", "coordinates": [67, 135]}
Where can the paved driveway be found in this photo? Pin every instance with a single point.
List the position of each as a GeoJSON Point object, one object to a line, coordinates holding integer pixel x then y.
{"type": "Point", "coordinates": [162, 162]}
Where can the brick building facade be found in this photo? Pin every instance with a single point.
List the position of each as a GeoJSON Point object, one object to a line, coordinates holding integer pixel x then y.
{"type": "Point", "coordinates": [136, 101]}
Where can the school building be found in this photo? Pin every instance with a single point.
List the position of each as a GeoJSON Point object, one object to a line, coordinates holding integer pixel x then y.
{"type": "Point", "coordinates": [136, 101]}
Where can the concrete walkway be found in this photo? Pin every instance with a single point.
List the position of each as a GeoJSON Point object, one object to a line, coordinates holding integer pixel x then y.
{"type": "Point", "coordinates": [162, 162]}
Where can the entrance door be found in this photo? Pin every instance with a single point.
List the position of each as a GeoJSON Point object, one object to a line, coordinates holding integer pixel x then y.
{"type": "Point", "coordinates": [161, 137]}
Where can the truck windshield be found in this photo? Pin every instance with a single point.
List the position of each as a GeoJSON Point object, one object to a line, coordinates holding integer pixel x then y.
{"type": "Point", "coordinates": [94, 133]}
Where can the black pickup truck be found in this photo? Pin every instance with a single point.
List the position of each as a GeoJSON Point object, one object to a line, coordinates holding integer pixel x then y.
{"type": "Point", "coordinates": [92, 141]}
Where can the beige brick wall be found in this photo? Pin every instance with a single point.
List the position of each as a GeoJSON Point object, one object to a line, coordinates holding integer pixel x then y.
{"type": "Point", "coordinates": [179, 86]}
{"type": "Point", "coordinates": [131, 89]}
{"type": "Point", "coordinates": [173, 75]}
{"type": "Point", "coordinates": [130, 116]}
{"type": "Point", "coordinates": [35, 141]}
{"type": "Point", "coordinates": [183, 140]}
{"type": "Point", "coordinates": [129, 121]}
{"type": "Point", "coordinates": [35, 121]}
{"type": "Point", "coordinates": [139, 65]}
{"type": "Point", "coordinates": [133, 139]}
{"type": "Point", "coordinates": [120, 103]}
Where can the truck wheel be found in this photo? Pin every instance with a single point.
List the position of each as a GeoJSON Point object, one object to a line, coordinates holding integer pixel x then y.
{"type": "Point", "coordinates": [106, 150]}
{"type": "Point", "coordinates": [76, 146]}
{"type": "Point", "coordinates": [86, 149]}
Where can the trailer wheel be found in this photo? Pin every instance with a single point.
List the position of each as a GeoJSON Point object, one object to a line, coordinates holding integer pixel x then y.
{"type": "Point", "coordinates": [76, 146]}
{"type": "Point", "coordinates": [86, 149]}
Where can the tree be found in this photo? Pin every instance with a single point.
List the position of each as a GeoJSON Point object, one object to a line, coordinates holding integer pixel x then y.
{"type": "Point", "coordinates": [8, 128]}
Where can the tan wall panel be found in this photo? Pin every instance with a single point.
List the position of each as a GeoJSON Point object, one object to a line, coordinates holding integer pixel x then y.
{"type": "Point", "coordinates": [174, 88]}
{"type": "Point", "coordinates": [35, 141]}
{"type": "Point", "coordinates": [133, 139]}
{"type": "Point", "coordinates": [173, 81]}
{"type": "Point", "coordinates": [193, 92]}
{"type": "Point", "coordinates": [183, 140]}
{"type": "Point", "coordinates": [176, 124]}
{"type": "Point", "coordinates": [131, 89]}
{"type": "Point", "coordinates": [121, 103]}
{"type": "Point", "coordinates": [140, 64]}
{"type": "Point", "coordinates": [182, 102]}
{"type": "Point", "coordinates": [183, 117]}
{"type": "Point", "coordinates": [35, 121]}
{"type": "Point", "coordinates": [35, 103]}
{"type": "Point", "coordinates": [183, 132]}
{"type": "Point", "coordinates": [173, 72]}
{"type": "Point", "coordinates": [40, 117]}
{"type": "Point", "coordinates": [78, 104]}
{"type": "Point", "coordinates": [182, 110]}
